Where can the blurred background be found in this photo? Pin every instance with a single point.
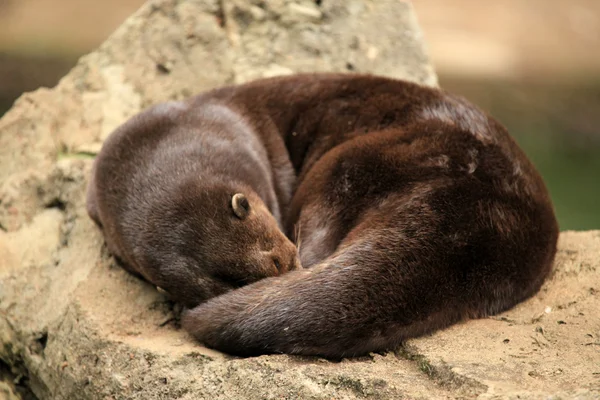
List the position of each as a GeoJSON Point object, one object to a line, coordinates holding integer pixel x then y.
{"type": "Point", "coordinates": [534, 65]}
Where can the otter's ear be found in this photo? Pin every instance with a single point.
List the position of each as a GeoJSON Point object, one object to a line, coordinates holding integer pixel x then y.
{"type": "Point", "coordinates": [240, 205]}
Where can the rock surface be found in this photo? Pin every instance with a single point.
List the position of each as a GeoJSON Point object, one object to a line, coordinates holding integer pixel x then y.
{"type": "Point", "coordinates": [73, 325]}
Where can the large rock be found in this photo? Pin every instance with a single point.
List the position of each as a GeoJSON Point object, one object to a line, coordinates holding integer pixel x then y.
{"type": "Point", "coordinates": [73, 325]}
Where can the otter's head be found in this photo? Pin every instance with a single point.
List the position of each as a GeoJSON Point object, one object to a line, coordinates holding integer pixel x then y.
{"type": "Point", "coordinates": [222, 238]}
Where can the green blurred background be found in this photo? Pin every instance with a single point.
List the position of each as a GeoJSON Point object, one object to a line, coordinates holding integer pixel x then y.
{"type": "Point", "coordinates": [534, 65]}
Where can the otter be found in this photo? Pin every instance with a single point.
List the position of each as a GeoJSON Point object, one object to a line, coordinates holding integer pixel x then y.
{"type": "Point", "coordinates": [412, 210]}
{"type": "Point", "coordinates": [190, 199]}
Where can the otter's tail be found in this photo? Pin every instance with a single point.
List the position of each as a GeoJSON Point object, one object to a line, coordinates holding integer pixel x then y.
{"type": "Point", "coordinates": [360, 301]}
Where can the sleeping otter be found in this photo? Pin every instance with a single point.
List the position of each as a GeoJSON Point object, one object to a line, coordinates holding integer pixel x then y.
{"type": "Point", "coordinates": [190, 199]}
{"type": "Point", "coordinates": [412, 210]}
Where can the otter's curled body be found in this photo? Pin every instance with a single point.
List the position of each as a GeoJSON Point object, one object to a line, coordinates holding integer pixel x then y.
{"type": "Point", "coordinates": [412, 210]}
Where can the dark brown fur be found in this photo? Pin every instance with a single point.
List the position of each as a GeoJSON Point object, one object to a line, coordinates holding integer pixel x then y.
{"type": "Point", "coordinates": [162, 188]}
{"type": "Point", "coordinates": [413, 210]}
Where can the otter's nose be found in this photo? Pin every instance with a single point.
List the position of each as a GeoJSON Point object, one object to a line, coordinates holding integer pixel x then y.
{"type": "Point", "coordinates": [277, 264]}
{"type": "Point", "coordinates": [283, 267]}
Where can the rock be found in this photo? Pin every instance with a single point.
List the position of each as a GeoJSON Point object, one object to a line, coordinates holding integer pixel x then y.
{"type": "Point", "coordinates": [547, 346]}
{"type": "Point", "coordinates": [73, 325]}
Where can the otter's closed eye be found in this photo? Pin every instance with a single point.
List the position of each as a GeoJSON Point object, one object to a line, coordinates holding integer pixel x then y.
{"type": "Point", "coordinates": [240, 205]}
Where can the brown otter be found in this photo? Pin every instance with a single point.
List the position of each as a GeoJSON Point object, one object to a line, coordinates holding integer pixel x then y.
{"type": "Point", "coordinates": [190, 199]}
{"type": "Point", "coordinates": [413, 210]}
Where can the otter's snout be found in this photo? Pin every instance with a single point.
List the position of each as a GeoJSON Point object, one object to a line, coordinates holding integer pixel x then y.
{"type": "Point", "coordinates": [290, 265]}
{"type": "Point", "coordinates": [285, 259]}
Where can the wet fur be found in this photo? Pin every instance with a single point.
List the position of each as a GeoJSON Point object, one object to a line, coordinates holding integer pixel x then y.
{"type": "Point", "coordinates": [413, 210]}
